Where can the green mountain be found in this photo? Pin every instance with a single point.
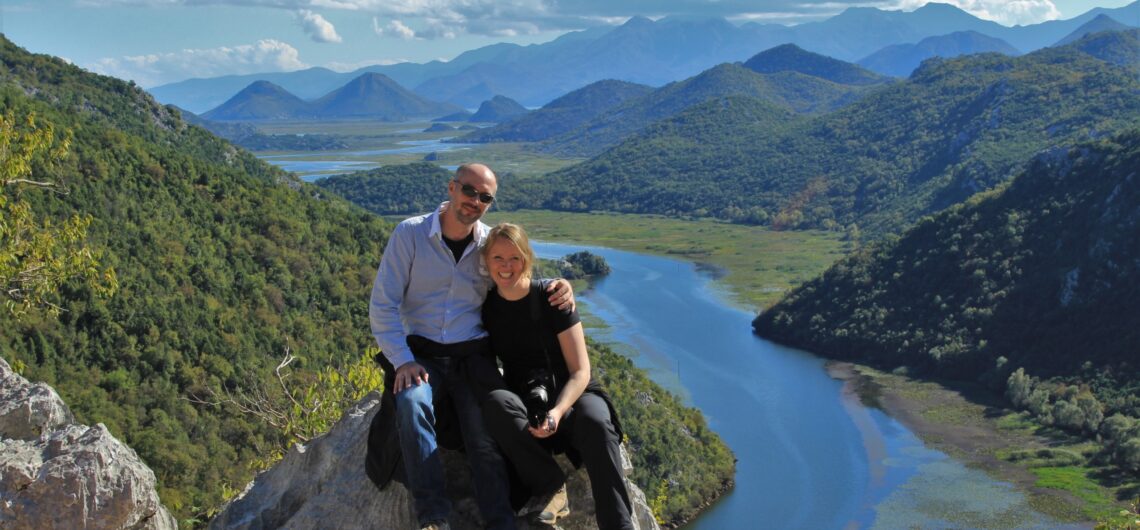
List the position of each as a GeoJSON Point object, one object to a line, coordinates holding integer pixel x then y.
{"type": "Point", "coordinates": [498, 109]}
{"type": "Point", "coordinates": [1039, 274]}
{"type": "Point", "coordinates": [225, 264]}
{"type": "Point", "coordinates": [792, 58]}
{"type": "Point", "coordinates": [1121, 48]}
{"type": "Point", "coordinates": [261, 100]}
{"type": "Point", "coordinates": [562, 114]}
{"type": "Point", "coordinates": [393, 190]}
{"type": "Point", "coordinates": [794, 90]}
{"type": "Point", "coordinates": [376, 96]}
{"type": "Point", "coordinates": [954, 128]}
{"type": "Point", "coordinates": [900, 60]}
{"type": "Point", "coordinates": [223, 261]}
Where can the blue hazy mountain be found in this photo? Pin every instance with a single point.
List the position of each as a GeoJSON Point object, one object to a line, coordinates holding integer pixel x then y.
{"type": "Point", "coordinates": [498, 109]}
{"type": "Point", "coordinates": [261, 100]}
{"type": "Point", "coordinates": [642, 51]}
{"type": "Point", "coordinates": [1100, 23]}
{"type": "Point", "coordinates": [792, 58]}
{"type": "Point", "coordinates": [900, 60]}
{"type": "Point", "coordinates": [370, 95]}
{"type": "Point", "coordinates": [377, 96]}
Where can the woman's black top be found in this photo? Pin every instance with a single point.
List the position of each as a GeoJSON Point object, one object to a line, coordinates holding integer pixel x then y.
{"type": "Point", "coordinates": [522, 331]}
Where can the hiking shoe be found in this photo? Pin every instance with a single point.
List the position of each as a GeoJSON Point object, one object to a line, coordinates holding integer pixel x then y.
{"type": "Point", "coordinates": [550, 507]}
{"type": "Point", "coordinates": [436, 525]}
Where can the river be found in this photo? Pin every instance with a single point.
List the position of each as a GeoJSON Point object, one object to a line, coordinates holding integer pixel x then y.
{"type": "Point", "coordinates": [808, 456]}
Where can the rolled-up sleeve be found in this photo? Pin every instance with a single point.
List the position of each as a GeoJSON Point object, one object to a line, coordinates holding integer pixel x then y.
{"type": "Point", "coordinates": [388, 291]}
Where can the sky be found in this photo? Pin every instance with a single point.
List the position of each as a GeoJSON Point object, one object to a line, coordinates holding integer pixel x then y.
{"type": "Point", "coordinates": [154, 42]}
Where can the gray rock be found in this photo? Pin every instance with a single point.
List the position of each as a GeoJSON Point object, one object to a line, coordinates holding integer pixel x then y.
{"type": "Point", "coordinates": [28, 410]}
{"type": "Point", "coordinates": [323, 485]}
{"type": "Point", "coordinates": [68, 476]}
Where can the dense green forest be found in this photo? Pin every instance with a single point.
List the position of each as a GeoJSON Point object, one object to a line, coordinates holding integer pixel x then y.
{"type": "Point", "coordinates": [389, 190]}
{"type": "Point", "coordinates": [223, 262]}
{"type": "Point", "coordinates": [1030, 288]}
{"type": "Point", "coordinates": [224, 265]}
{"type": "Point", "coordinates": [905, 150]}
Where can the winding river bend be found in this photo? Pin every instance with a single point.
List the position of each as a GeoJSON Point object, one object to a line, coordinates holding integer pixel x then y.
{"type": "Point", "coordinates": [808, 456]}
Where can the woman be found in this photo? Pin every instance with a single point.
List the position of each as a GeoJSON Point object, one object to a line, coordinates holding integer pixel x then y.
{"type": "Point", "coordinates": [541, 346]}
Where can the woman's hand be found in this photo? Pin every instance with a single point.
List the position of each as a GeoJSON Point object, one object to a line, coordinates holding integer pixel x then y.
{"type": "Point", "coordinates": [548, 427]}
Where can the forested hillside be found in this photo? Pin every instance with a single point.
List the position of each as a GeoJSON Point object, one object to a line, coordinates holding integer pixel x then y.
{"type": "Point", "coordinates": [225, 265]}
{"type": "Point", "coordinates": [1039, 275]}
{"type": "Point", "coordinates": [560, 115]}
{"type": "Point", "coordinates": [954, 128]}
{"type": "Point", "coordinates": [404, 189]}
{"type": "Point", "coordinates": [795, 90]}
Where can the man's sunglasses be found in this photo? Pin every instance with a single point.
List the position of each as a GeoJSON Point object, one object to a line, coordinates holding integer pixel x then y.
{"type": "Point", "coordinates": [470, 191]}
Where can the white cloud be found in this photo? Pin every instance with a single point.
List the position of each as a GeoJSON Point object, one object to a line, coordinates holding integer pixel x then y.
{"type": "Point", "coordinates": [434, 19]}
{"type": "Point", "coordinates": [1007, 12]}
{"type": "Point", "coordinates": [155, 69]}
{"type": "Point", "coordinates": [394, 28]}
{"type": "Point", "coordinates": [317, 27]}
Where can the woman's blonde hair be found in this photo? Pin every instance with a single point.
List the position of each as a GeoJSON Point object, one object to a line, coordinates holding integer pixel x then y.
{"type": "Point", "coordinates": [517, 236]}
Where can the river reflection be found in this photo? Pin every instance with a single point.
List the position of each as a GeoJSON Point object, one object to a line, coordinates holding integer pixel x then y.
{"type": "Point", "coordinates": [809, 456]}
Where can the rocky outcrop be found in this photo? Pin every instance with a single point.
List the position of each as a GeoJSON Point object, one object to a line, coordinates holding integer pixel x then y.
{"type": "Point", "coordinates": [323, 485]}
{"type": "Point", "coordinates": [58, 474]}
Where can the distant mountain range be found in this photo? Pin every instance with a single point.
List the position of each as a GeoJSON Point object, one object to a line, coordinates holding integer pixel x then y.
{"type": "Point", "coordinates": [904, 150]}
{"type": "Point", "coordinates": [788, 77]}
{"type": "Point", "coordinates": [900, 60]}
{"type": "Point", "coordinates": [640, 51]}
{"type": "Point", "coordinates": [370, 95]}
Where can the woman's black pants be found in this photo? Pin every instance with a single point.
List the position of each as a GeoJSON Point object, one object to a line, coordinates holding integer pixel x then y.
{"type": "Point", "coordinates": [587, 429]}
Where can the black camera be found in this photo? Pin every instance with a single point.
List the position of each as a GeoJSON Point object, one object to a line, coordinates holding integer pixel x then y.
{"type": "Point", "coordinates": [536, 398]}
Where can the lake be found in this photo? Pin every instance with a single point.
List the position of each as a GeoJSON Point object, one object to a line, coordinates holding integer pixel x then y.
{"type": "Point", "coordinates": [808, 457]}
{"type": "Point", "coordinates": [313, 165]}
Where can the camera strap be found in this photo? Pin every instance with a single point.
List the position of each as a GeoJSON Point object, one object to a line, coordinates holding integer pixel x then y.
{"type": "Point", "coordinates": [536, 318]}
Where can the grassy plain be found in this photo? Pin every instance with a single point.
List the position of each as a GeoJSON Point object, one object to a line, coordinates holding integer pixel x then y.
{"type": "Point", "coordinates": [756, 265]}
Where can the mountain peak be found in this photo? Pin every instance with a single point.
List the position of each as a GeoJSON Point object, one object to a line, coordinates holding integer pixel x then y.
{"type": "Point", "coordinates": [498, 109]}
{"type": "Point", "coordinates": [377, 95]}
{"type": "Point", "coordinates": [1101, 22]}
{"type": "Point", "coordinates": [789, 57]}
{"type": "Point", "coordinates": [261, 100]}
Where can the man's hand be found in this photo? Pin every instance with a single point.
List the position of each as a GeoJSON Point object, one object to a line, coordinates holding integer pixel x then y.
{"type": "Point", "coordinates": [409, 374]}
{"type": "Point", "coordinates": [561, 294]}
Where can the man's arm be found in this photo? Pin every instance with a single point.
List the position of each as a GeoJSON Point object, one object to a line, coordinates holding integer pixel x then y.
{"type": "Point", "coordinates": [561, 294]}
{"type": "Point", "coordinates": [388, 291]}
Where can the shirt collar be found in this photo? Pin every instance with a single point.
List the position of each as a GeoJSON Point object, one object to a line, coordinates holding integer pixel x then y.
{"type": "Point", "coordinates": [481, 229]}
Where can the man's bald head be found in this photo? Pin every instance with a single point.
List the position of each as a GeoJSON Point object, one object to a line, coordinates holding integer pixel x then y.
{"type": "Point", "coordinates": [476, 171]}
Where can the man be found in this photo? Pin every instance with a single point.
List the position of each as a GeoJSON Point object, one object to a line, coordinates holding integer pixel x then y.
{"type": "Point", "coordinates": [425, 314]}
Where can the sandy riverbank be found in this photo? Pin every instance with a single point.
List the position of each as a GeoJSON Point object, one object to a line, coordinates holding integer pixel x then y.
{"type": "Point", "coordinates": [962, 421]}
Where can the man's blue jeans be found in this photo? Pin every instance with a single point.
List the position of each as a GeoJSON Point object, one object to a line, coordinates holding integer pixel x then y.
{"type": "Point", "coordinates": [416, 422]}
